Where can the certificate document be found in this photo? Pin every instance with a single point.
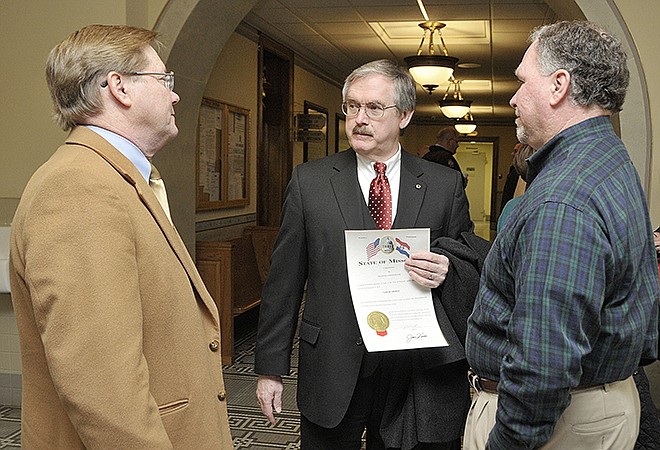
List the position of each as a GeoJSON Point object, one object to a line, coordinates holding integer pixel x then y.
{"type": "Point", "coordinates": [393, 311]}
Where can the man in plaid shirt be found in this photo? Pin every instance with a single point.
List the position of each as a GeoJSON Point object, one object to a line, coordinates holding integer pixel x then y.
{"type": "Point", "coordinates": [567, 307]}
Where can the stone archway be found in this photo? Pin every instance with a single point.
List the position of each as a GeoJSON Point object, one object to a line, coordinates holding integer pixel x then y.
{"type": "Point", "coordinates": [635, 118]}
{"type": "Point", "coordinates": [194, 34]}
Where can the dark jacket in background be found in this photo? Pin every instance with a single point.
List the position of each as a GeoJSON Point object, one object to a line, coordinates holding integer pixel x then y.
{"type": "Point", "coordinates": [649, 426]}
{"type": "Point", "coordinates": [509, 186]}
{"type": "Point", "coordinates": [439, 154]}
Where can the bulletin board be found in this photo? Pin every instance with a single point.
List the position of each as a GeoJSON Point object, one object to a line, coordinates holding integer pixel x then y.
{"type": "Point", "coordinates": [222, 155]}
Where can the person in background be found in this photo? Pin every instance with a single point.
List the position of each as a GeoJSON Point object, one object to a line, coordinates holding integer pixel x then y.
{"type": "Point", "coordinates": [119, 337]}
{"type": "Point", "coordinates": [519, 164]}
{"type": "Point", "coordinates": [512, 179]}
{"type": "Point", "coordinates": [567, 308]}
{"type": "Point", "coordinates": [339, 382]}
{"type": "Point", "coordinates": [444, 149]}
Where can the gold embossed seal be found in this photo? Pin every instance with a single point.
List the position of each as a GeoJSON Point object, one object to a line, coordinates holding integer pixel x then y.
{"type": "Point", "coordinates": [379, 322]}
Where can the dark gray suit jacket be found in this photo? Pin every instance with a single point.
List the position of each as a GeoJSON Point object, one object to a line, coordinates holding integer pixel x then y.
{"type": "Point", "coordinates": [322, 200]}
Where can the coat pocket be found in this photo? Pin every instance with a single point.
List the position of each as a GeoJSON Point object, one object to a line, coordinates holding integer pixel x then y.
{"type": "Point", "coordinates": [172, 407]}
{"type": "Point", "coordinates": [309, 332]}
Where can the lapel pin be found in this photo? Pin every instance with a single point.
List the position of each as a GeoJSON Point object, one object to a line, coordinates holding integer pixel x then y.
{"type": "Point", "coordinates": [418, 186]}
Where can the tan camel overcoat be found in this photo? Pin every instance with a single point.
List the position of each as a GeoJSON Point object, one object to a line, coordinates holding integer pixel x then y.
{"type": "Point", "coordinates": [119, 337]}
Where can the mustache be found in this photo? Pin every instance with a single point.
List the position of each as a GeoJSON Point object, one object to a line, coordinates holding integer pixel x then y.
{"type": "Point", "coordinates": [362, 130]}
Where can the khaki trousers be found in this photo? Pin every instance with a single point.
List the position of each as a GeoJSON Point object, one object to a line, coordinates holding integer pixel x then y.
{"type": "Point", "coordinates": [604, 417]}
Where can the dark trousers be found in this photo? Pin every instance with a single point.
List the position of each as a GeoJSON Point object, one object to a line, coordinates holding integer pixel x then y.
{"type": "Point", "coordinates": [361, 414]}
{"type": "Point", "coordinates": [348, 434]}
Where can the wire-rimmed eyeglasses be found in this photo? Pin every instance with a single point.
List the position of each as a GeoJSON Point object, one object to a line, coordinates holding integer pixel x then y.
{"type": "Point", "coordinates": [166, 77]}
{"type": "Point", "coordinates": [372, 110]}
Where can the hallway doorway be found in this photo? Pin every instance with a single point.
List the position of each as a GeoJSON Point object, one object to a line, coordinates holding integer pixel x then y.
{"type": "Point", "coordinates": [477, 160]}
{"type": "Point", "coordinates": [274, 149]}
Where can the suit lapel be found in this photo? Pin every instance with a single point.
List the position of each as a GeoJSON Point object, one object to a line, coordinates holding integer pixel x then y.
{"type": "Point", "coordinates": [412, 190]}
{"type": "Point", "coordinates": [93, 141]}
{"type": "Point", "coordinates": [348, 193]}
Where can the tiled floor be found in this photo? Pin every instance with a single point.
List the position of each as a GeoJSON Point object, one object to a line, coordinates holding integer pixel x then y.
{"type": "Point", "coordinates": [10, 427]}
{"type": "Point", "coordinates": [249, 427]}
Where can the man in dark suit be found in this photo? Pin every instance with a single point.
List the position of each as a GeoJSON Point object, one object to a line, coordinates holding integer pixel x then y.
{"type": "Point", "coordinates": [338, 380]}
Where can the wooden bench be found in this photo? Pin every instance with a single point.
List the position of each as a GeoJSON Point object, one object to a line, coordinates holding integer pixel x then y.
{"type": "Point", "coordinates": [234, 272]}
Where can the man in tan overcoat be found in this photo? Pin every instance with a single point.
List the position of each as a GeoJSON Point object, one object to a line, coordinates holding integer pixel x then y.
{"type": "Point", "coordinates": [119, 337]}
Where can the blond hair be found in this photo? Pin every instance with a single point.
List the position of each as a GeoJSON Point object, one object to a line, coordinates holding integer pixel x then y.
{"type": "Point", "coordinates": [77, 66]}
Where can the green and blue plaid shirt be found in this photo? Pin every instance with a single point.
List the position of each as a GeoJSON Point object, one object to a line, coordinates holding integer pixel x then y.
{"type": "Point", "coordinates": [569, 290]}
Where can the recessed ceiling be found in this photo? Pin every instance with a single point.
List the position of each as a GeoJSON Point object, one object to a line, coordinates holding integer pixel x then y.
{"type": "Point", "coordinates": [488, 36]}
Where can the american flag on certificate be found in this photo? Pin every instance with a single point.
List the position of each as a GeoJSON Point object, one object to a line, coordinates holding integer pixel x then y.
{"type": "Point", "coordinates": [373, 248]}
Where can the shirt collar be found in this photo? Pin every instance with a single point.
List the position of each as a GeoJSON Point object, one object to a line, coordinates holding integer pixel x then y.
{"type": "Point", "coordinates": [559, 146]}
{"type": "Point", "coordinates": [126, 148]}
{"type": "Point", "coordinates": [366, 163]}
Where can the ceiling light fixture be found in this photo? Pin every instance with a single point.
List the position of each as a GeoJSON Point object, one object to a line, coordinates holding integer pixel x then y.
{"type": "Point", "coordinates": [430, 70]}
{"type": "Point", "coordinates": [454, 106]}
{"type": "Point", "coordinates": [466, 124]}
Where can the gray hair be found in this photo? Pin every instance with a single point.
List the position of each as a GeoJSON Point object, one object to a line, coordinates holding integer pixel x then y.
{"type": "Point", "coordinates": [594, 58]}
{"type": "Point", "coordinates": [405, 96]}
{"type": "Point", "coordinates": [77, 66]}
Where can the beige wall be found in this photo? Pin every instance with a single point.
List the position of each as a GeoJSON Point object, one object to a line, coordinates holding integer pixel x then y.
{"type": "Point", "coordinates": [28, 31]}
{"type": "Point", "coordinates": [26, 125]}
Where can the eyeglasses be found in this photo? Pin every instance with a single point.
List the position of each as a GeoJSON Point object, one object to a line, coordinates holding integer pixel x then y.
{"type": "Point", "coordinates": [166, 77]}
{"type": "Point", "coordinates": [372, 110]}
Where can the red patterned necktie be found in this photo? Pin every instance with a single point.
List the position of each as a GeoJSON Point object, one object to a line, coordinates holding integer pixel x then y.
{"type": "Point", "coordinates": [380, 198]}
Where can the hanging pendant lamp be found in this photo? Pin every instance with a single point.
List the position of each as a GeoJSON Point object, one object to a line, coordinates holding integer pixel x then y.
{"type": "Point", "coordinates": [431, 70]}
{"type": "Point", "coordinates": [454, 106]}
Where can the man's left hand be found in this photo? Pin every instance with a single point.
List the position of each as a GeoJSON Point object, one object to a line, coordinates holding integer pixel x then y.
{"type": "Point", "coordinates": [427, 268]}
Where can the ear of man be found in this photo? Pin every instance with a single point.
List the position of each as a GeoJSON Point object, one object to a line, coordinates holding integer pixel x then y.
{"type": "Point", "coordinates": [118, 88]}
{"type": "Point", "coordinates": [405, 119]}
{"type": "Point", "coordinates": [561, 81]}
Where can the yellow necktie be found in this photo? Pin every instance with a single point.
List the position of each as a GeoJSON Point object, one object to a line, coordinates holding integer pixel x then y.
{"type": "Point", "coordinates": [158, 186]}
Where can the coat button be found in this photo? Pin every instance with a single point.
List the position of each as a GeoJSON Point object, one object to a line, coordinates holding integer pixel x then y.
{"type": "Point", "coordinates": [358, 341]}
{"type": "Point", "coordinates": [214, 345]}
{"type": "Point", "coordinates": [222, 396]}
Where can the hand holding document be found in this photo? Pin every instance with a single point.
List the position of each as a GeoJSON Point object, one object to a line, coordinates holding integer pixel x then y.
{"type": "Point", "coordinates": [393, 311]}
